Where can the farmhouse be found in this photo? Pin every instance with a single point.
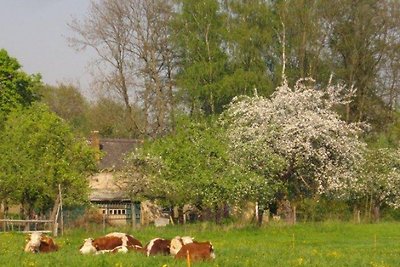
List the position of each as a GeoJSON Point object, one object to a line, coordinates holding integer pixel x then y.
{"type": "Point", "coordinates": [112, 202]}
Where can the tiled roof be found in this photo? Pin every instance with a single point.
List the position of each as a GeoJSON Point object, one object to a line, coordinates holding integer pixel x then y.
{"type": "Point", "coordinates": [114, 151]}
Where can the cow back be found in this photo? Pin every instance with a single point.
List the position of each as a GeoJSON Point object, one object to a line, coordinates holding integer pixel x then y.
{"type": "Point", "coordinates": [196, 251]}
{"type": "Point", "coordinates": [107, 243]}
{"type": "Point", "coordinates": [133, 242]}
{"type": "Point", "coordinates": [47, 245]}
{"type": "Point", "coordinates": [158, 246]}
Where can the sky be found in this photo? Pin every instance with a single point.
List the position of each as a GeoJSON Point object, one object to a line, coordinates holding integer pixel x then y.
{"type": "Point", "coordinates": [35, 33]}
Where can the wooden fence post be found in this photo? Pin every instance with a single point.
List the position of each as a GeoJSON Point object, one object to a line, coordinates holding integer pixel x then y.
{"type": "Point", "coordinates": [61, 211]}
{"type": "Point", "coordinates": [54, 215]}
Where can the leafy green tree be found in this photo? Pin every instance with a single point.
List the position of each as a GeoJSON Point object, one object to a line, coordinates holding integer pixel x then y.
{"type": "Point", "coordinates": [306, 36]}
{"type": "Point", "coordinates": [39, 152]}
{"type": "Point", "coordinates": [362, 34]}
{"type": "Point", "coordinates": [379, 181]}
{"type": "Point", "coordinates": [198, 35]}
{"type": "Point", "coordinates": [193, 166]}
{"type": "Point", "coordinates": [249, 38]}
{"type": "Point", "coordinates": [114, 122]}
{"type": "Point", "coordinates": [16, 87]}
{"type": "Point", "coordinates": [68, 103]}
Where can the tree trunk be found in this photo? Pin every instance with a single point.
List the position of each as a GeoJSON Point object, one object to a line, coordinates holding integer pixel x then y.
{"type": "Point", "coordinates": [294, 217]}
{"type": "Point", "coordinates": [178, 214]}
{"type": "Point", "coordinates": [217, 214]}
{"type": "Point", "coordinates": [260, 217]}
{"type": "Point", "coordinates": [376, 213]}
{"type": "Point", "coordinates": [26, 211]}
{"type": "Point", "coordinates": [286, 210]}
{"type": "Point", "coordinates": [226, 211]}
{"type": "Point", "coordinates": [356, 214]}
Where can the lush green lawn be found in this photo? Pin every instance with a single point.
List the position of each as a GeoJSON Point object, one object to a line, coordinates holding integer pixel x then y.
{"type": "Point", "coordinates": [323, 244]}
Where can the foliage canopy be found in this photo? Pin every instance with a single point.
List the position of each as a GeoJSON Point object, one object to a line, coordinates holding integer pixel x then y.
{"type": "Point", "coordinates": [39, 153]}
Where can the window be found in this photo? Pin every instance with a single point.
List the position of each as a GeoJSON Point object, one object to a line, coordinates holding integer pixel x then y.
{"type": "Point", "coordinates": [116, 212]}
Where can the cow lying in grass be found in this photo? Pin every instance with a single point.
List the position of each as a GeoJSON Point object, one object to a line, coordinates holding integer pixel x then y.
{"type": "Point", "coordinates": [40, 243]}
{"type": "Point", "coordinates": [179, 247]}
{"type": "Point", "coordinates": [113, 242]}
{"type": "Point", "coordinates": [166, 246]}
{"type": "Point", "coordinates": [177, 243]}
{"type": "Point", "coordinates": [196, 251]}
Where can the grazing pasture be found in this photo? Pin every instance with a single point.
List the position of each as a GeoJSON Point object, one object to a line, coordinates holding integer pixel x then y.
{"type": "Point", "coordinates": [319, 244]}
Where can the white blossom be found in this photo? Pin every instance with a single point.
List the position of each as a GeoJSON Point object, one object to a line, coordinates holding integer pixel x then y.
{"type": "Point", "coordinates": [297, 131]}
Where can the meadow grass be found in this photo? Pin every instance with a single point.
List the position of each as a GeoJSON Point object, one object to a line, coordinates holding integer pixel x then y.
{"type": "Point", "coordinates": [310, 244]}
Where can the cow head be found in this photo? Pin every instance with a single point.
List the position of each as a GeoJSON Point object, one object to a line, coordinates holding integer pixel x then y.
{"type": "Point", "coordinates": [33, 243]}
{"type": "Point", "coordinates": [177, 243]}
{"type": "Point", "coordinates": [87, 247]}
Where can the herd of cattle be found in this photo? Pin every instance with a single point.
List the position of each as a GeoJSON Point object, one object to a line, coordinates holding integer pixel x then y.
{"type": "Point", "coordinates": [178, 247]}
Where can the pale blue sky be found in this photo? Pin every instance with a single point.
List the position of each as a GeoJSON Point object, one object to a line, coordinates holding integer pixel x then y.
{"type": "Point", "coordinates": [35, 31]}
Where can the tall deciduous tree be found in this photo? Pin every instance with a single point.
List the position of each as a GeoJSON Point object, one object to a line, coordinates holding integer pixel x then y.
{"type": "Point", "coordinates": [39, 153]}
{"type": "Point", "coordinates": [199, 30]}
{"type": "Point", "coordinates": [360, 38]}
{"type": "Point", "coordinates": [67, 102]}
{"type": "Point", "coordinates": [107, 31]}
{"type": "Point", "coordinates": [249, 38]}
{"type": "Point", "coordinates": [134, 56]}
{"type": "Point", "coordinates": [152, 50]}
{"type": "Point", "coordinates": [306, 38]}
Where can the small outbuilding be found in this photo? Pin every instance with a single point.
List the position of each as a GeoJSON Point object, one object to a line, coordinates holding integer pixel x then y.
{"type": "Point", "coordinates": [111, 200]}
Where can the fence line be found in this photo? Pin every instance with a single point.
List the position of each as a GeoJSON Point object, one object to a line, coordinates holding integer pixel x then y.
{"type": "Point", "coordinates": [26, 221]}
{"type": "Point", "coordinates": [17, 224]}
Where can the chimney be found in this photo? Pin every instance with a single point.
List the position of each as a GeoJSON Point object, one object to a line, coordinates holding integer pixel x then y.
{"type": "Point", "coordinates": [95, 143]}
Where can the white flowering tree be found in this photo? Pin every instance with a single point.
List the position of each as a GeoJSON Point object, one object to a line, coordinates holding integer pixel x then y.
{"type": "Point", "coordinates": [380, 180]}
{"type": "Point", "coordinates": [297, 136]}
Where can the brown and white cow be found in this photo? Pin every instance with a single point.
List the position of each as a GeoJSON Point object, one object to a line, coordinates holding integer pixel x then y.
{"type": "Point", "coordinates": [37, 242]}
{"type": "Point", "coordinates": [132, 243]}
{"type": "Point", "coordinates": [113, 242]}
{"type": "Point", "coordinates": [177, 243]}
{"type": "Point", "coordinates": [196, 251]}
{"type": "Point", "coordinates": [166, 246]}
{"type": "Point", "coordinates": [158, 246]}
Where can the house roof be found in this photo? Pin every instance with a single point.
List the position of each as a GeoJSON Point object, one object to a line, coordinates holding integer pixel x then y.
{"type": "Point", "coordinates": [105, 195]}
{"type": "Point", "coordinates": [103, 185]}
{"type": "Point", "coordinates": [114, 151]}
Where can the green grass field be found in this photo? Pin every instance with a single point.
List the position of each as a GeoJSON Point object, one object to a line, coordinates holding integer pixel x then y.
{"type": "Point", "coordinates": [320, 244]}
